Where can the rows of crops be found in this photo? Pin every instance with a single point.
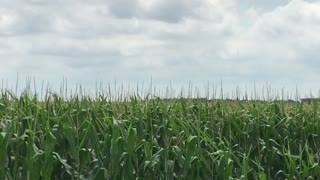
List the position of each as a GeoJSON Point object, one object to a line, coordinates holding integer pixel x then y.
{"type": "Point", "coordinates": [85, 138]}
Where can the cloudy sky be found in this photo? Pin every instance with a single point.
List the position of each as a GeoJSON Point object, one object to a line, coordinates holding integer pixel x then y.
{"type": "Point", "coordinates": [237, 42]}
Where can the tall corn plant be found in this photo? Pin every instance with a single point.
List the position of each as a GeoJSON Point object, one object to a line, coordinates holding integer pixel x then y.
{"type": "Point", "coordinates": [99, 138]}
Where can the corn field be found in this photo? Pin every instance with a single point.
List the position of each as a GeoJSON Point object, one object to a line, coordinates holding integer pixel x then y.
{"type": "Point", "coordinates": [96, 138]}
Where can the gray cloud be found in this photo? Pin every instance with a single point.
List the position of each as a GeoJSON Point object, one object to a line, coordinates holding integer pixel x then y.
{"type": "Point", "coordinates": [173, 11]}
{"type": "Point", "coordinates": [167, 11]}
{"type": "Point", "coordinates": [124, 8]}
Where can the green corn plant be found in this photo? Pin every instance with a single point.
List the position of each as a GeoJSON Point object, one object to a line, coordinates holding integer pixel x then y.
{"type": "Point", "coordinates": [113, 137]}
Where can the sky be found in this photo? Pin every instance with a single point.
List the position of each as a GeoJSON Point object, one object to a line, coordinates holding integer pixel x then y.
{"type": "Point", "coordinates": [230, 43]}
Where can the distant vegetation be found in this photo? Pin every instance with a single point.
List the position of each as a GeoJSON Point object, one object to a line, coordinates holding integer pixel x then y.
{"type": "Point", "coordinates": [96, 138]}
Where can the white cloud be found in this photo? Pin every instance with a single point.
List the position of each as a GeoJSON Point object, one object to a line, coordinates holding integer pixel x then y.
{"type": "Point", "coordinates": [197, 40]}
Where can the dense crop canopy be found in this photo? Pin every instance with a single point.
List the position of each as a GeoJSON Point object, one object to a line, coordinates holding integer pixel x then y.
{"type": "Point", "coordinates": [89, 138]}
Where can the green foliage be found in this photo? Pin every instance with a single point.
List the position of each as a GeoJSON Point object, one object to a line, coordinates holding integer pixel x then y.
{"type": "Point", "coordinates": [85, 138]}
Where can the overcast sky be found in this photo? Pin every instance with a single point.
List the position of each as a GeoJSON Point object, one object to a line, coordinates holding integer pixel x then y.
{"type": "Point", "coordinates": [237, 42]}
